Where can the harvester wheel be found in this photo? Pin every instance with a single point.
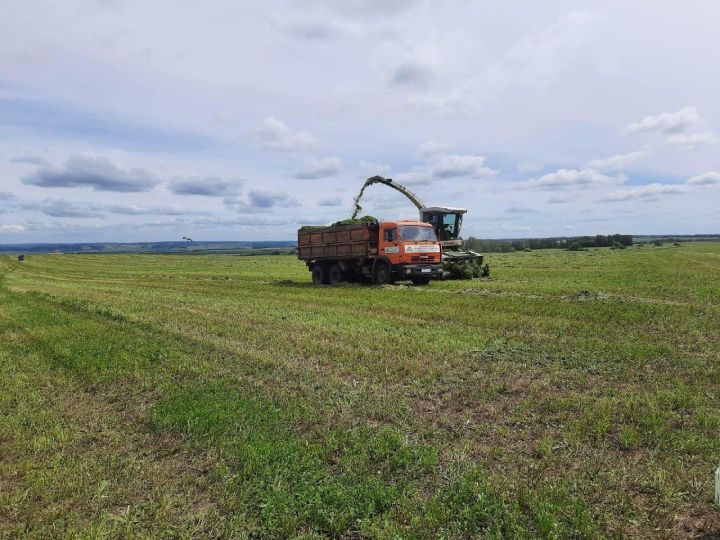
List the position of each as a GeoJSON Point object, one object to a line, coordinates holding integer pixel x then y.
{"type": "Point", "coordinates": [382, 274]}
{"type": "Point", "coordinates": [335, 275]}
{"type": "Point", "coordinates": [319, 274]}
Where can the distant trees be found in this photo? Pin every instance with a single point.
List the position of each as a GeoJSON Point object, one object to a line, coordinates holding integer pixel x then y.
{"type": "Point", "coordinates": [525, 244]}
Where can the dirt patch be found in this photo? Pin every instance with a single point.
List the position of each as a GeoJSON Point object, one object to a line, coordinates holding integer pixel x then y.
{"type": "Point", "coordinates": [705, 526]}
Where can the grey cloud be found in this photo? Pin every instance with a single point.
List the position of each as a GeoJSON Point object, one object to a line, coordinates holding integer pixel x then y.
{"type": "Point", "coordinates": [204, 186]}
{"type": "Point", "coordinates": [270, 199]}
{"type": "Point", "coordinates": [706, 179]}
{"type": "Point", "coordinates": [320, 168]}
{"type": "Point", "coordinates": [211, 222]}
{"type": "Point", "coordinates": [274, 134]}
{"type": "Point", "coordinates": [30, 159]}
{"type": "Point", "coordinates": [6, 196]}
{"type": "Point", "coordinates": [411, 74]}
{"type": "Point", "coordinates": [331, 201]}
{"type": "Point", "coordinates": [373, 8]}
{"type": "Point", "coordinates": [63, 208]}
{"type": "Point", "coordinates": [317, 28]}
{"type": "Point", "coordinates": [133, 210]}
{"type": "Point", "coordinates": [520, 210]}
{"type": "Point", "coordinates": [97, 173]}
{"type": "Point", "coordinates": [259, 200]}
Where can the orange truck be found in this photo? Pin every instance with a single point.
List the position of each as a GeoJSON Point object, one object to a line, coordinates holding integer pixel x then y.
{"type": "Point", "coordinates": [381, 252]}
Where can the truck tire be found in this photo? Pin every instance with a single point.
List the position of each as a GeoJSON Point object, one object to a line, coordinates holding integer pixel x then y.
{"type": "Point", "coordinates": [335, 275]}
{"type": "Point", "coordinates": [421, 280]}
{"type": "Point", "coordinates": [382, 274]}
{"type": "Point", "coordinates": [319, 274]}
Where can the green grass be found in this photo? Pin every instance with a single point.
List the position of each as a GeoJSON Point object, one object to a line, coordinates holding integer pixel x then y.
{"type": "Point", "coordinates": [573, 395]}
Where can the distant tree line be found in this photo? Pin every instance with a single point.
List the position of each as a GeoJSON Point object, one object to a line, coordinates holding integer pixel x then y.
{"type": "Point", "coordinates": [524, 244]}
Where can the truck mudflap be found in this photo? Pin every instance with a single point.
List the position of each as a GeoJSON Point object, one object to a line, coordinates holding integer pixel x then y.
{"type": "Point", "coordinates": [409, 271]}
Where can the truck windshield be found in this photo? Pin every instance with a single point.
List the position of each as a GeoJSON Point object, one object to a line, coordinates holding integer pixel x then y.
{"type": "Point", "coordinates": [416, 233]}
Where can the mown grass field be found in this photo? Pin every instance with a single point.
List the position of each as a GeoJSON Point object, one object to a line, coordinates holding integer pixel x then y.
{"type": "Point", "coordinates": [572, 395]}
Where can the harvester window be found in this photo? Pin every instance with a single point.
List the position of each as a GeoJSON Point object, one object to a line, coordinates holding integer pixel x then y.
{"type": "Point", "coordinates": [390, 235]}
{"type": "Point", "coordinates": [449, 228]}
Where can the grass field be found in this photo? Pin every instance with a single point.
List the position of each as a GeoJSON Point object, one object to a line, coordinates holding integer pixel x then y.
{"type": "Point", "coordinates": [572, 395]}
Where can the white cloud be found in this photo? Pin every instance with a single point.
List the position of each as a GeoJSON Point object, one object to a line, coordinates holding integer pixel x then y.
{"type": "Point", "coordinates": [535, 61]}
{"type": "Point", "coordinates": [694, 141]}
{"type": "Point", "coordinates": [455, 165]}
{"type": "Point", "coordinates": [619, 161]}
{"type": "Point", "coordinates": [430, 149]}
{"type": "Point", "coordinates": [12, 228]}
{"type": "Point", "coordinates": [320, 168]}
{"type": "Point", "coordinates": [368, 168]}
{"type": "Point", "coordinates": [572, 178]}
{"type": "Point", "coordinates": [706, 179]}
{"type": "Point", "coordinates": [447, 167]}
{"type": "Point", "coordinates": [675, 122]}
{"type": "Point", "coordinates": [646, 192]}
{"type": "Point", "coordinates": [528, 167]}
{"type": "Point", "coordinates": [274, 134]}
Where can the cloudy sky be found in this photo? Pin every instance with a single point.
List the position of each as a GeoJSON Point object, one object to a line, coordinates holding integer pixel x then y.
{"type": "Point", "coordinates": [123, 120]}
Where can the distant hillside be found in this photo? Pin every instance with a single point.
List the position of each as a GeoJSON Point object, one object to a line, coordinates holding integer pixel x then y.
{"type": "Point", "coordinates": [195, 248]}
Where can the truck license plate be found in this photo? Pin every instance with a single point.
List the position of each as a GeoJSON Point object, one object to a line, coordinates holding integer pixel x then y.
{"type": "Point", "coordinates": [425, 270]}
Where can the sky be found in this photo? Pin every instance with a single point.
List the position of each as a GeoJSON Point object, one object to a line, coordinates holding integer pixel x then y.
{"type": "Point", "coordinates": [123, 120]}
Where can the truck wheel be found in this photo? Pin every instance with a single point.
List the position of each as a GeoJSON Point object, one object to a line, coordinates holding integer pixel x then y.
{"type": "Point", "coordinates": [382, 274]}
{"type": "Point", "coordinates": [319, 274]}
{"type": "Point", "coordinates": [335, 275]}
{"type": "Point", "coordinates": [421, 280]}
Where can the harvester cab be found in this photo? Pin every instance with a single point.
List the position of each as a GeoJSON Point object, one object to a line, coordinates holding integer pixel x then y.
{"type": "Point", "coordinates": [446, 222]}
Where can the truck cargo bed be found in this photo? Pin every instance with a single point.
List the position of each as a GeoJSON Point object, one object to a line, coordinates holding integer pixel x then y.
{"type": "Point", "coordinates": [344, 241]}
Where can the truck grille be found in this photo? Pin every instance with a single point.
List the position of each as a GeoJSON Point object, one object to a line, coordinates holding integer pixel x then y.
{"type": "Point", "coordinates": [425, 259]}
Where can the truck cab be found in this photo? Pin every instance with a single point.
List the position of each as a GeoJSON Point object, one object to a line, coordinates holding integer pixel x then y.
{"type": "Point", "coordinates": [411, 250]}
